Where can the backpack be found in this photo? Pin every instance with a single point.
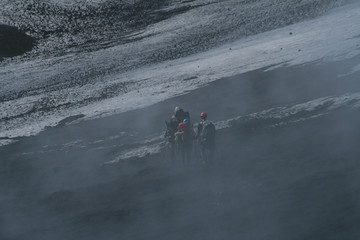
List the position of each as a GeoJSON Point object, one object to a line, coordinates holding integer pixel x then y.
{"type": "Point", "coordinates": [187, 116]}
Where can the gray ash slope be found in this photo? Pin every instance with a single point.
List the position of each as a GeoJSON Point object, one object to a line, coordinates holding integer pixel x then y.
{"type": "Point", "coordinates": [287, 155]}
{"type": "Point", "coordinates": [288, 172]}
{"type": "Point", "coordinates": [62, 27]}
{"type": "Point", "coordinates": [83, 46]}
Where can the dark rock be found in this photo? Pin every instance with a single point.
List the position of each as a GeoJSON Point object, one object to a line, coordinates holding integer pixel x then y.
{"type": "Point", "coordinates": [13, 42]}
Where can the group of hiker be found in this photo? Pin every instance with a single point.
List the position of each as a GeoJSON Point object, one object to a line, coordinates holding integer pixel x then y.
{"type": "Point", "coordinates": [181, 136]}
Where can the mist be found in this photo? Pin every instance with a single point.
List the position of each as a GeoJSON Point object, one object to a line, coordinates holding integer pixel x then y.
{"type": "Point", "coordinates": [289, 177]}
{"type": "Point", "coordinates": [286, 161]}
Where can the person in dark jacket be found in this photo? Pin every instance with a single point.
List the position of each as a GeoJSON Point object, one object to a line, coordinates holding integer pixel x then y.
{"type": "Point", "coordinates": [206, 134]}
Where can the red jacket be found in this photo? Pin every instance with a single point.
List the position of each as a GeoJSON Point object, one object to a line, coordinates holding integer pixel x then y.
{"type": "Point", "coordinates": [183, 127]}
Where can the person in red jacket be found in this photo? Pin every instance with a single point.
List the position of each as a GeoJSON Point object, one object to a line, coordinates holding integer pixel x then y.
{"type": "Point", "coordinates": [172, 127]}
{"type": "Point", "coordinates": [184, 140]}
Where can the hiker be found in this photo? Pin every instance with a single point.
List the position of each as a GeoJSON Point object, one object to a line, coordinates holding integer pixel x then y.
{"type": "Point", "coordinates": [172, 127]}
{"type": "Point", "coordinates": [206, 134]}
{"type": "Point", "coordinates": [183, 140]}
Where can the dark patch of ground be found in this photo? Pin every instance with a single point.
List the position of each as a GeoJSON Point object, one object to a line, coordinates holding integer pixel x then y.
{"type": "Point", "coordinates": [14, 42]}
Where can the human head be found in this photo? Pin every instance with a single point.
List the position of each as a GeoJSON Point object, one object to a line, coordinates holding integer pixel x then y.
{"type": "Point", "coordinates": [203, 115]}
{"type": "Point", "coordinates": [178, 112]}
{"type": "Point", "coordinates": [178, 109]}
